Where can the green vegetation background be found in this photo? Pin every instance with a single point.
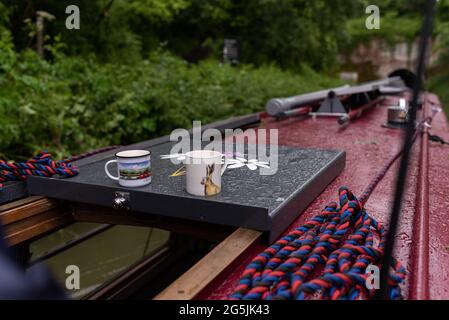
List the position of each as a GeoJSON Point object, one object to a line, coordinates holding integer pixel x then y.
{"type": "Point", "coordinates": [139, 68]}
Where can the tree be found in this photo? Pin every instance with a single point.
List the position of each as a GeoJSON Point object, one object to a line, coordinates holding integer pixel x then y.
{"type": "Point", "coordinates": [288, 32]}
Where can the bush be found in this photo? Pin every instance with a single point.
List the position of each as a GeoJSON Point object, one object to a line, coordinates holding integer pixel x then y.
{"type": "Point", "coordinates": [72, 104]}
{"type": "Point", "coordinates": [287, 32]}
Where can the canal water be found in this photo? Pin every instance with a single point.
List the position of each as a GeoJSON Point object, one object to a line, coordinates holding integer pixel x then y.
{"type": "Point", "coordinates": [101, 257]}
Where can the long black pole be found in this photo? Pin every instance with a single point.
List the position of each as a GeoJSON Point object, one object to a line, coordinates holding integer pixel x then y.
{"type": "Point", "coordinates": [401, 180]}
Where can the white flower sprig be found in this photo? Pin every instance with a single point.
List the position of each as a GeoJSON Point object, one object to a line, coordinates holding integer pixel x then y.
{"type": "Point", "coordinates": [251, 164]}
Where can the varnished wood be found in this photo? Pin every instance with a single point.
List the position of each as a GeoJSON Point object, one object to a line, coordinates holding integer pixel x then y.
{"type": "Point", "coordinates": [207, 269]}
{"type": "Point", "coordinates": [22, 209]}
{"type": "Point", "coordinates": [18, 203]}
{"type": "Point", "coordinates": [31, 217]}
{"type": "Point", "coordinates": [18, 233]}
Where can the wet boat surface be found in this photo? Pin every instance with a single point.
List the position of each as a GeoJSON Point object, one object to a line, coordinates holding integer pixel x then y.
{"type": "Point", "coordinates": [368, 147]}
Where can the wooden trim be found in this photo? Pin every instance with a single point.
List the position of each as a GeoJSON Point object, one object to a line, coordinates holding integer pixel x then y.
{"type": "Point", "coordinates": [23, 209]}
{"type": "Point", "coordinates": [18, 203]}
{"type": "Point", "coordinates": [31, 217]}
{"type": "Point", "coordinates": [207, 269]}
{"type": "Point", "coordinates": [16, 234]}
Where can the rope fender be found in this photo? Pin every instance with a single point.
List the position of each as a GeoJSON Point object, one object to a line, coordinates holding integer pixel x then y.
{"type": "Point", "coordinates": [326, 258]}
{"type": "Point", "coordinates": [43, 165]}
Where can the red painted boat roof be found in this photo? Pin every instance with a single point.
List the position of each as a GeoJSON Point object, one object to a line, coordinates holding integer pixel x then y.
{"type": "Point", "coordinates": [369, 146]}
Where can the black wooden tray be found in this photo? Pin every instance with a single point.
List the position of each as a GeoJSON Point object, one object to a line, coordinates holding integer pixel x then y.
{"type": "Point", "coordinates": [18, 189]}
{"type": "Point", "coordinates": [248, 199]}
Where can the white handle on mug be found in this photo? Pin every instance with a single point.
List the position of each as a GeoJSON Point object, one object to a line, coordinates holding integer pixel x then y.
{"type": "Point", "coordinates": [224, 166]}
{"type": "Point", "coordinates": [107, 171]}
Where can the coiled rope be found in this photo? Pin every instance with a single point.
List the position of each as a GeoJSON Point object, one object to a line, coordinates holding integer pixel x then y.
{"type": "Point", "coordinates": [44, 166]}
{"type": "Point", "coordinates": [327, 257]}
{"type": "Point", "coordinates": [339, 243]}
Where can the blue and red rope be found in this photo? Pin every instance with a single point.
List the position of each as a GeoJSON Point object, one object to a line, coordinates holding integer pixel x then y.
{"type": "Point", "coordinates": [326, 258]}
{"type": "Point", "coordinates": [43, 165]}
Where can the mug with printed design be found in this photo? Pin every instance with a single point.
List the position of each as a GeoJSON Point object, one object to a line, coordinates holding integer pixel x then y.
{"type": "Point", "coordinates": [133, 167]}
{"type": "Point", "coordinates": [204, 169]}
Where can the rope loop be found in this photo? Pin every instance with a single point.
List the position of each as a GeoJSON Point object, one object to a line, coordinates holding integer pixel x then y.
{"type": "Point", "coordinates": [43, 165]}
{"type": "Point", "coordinates": [325, 258]}
{"type": "Point", "coordinates": [40, 165]}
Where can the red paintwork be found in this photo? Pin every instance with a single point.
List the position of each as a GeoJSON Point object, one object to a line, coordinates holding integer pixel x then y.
{"type": "Point", "coordinates": [438, 208]}
{"type": "Point", "coordinates": [419, 278]}
{"type": "Point", "coordinates": [368, 147]}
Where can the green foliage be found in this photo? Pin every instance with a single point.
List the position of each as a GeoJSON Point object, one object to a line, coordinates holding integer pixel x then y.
{"type": "Point", "coordinates": [393, 29]}
{"type": "Point", "coordinates": [3, 15]}
{"type": "Point", "coordinates": [160, 10]}
{"type": "Point", "coordinates": [439, 84]}
{"type": "Point", "coordinates": [400, 20]}
{"type": "Point", "coordinates": [71, 104]}
{"type": "Point", "coordinates": [442, 29]}
{"type": "Point", "coordinates": [439, 81]}
{"type": "Point", "coordinates": [287, 32]}
{"type": "Point", "coordinates": [7, 54]}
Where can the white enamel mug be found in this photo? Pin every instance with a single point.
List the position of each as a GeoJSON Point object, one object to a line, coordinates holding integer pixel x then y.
{"type": "Point", "coordinates": [133, 168]}
{"type": "Point", "coordinates": [203, 172]}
